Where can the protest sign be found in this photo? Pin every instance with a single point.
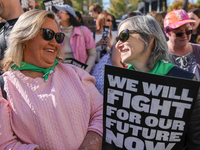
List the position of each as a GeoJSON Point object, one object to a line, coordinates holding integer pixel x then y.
{"type": "Point", "coordinates": [49, 3]}
{"type": "Point", "coordinates": [76, 63]}
{"type": "Point", "coordinates": [89, 23]}
{"type": "Point", "coordinates": [144, 111]}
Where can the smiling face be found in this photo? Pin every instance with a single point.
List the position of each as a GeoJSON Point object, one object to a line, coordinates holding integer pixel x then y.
{"type": "Point", "coordinates": [180, 41]}
{"type": "Point", "coordinates": [63, 17]}
{"type": "Point", "coordinates": [40, 52]}
{"type": "Point", "coordinates": [131, 50]}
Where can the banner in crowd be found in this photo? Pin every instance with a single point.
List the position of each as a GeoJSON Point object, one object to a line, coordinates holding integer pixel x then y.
{"type": "Point", "coordinates": [76, 63]}
{"type": "Point", "coordinates": [144, 111]}
{"type": "Point", "coordinates": [49, 3]}
{"type": "Point", "coordinates": [89, 23]}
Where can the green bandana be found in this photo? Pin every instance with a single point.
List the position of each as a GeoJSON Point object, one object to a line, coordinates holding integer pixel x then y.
{"type": "Point", "coordinates": [161, 68]}
{"type": "Point", "coordinates": [26, 66]}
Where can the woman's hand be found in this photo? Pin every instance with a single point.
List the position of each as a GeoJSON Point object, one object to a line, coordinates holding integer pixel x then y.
{"type": "Point", "coordinates": [100, 43]}
{"type": "Point", "coordinates": [92, 141]}
{"type": "Point", "coordinates": [108, 42]}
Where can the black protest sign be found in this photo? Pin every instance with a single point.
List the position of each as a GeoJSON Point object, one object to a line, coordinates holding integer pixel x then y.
{"type": "Point", "coordinates": [89, 23]}
{"type": "Point", "coordinates": [76, 63]}
{"type": "Point", "coordinates": [49, 3]}
{"type": "Point", "coordinates": [144, 111]}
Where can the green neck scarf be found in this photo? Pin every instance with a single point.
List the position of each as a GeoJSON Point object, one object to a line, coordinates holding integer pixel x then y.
{"type": "Point", "coordinates": [27, 66]}
{"type": "Point", "coordinates": [161, 68]}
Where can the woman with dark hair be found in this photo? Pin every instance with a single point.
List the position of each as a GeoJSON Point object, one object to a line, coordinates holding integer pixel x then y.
{"type": "Point", "coordinates": [79, 17]}
{"type": "Point", "coordinates": [104, 19]}
{"type": "Point", "coordinates": [79, 42]}
{"type": "Point", "coordinates": [194, 14]}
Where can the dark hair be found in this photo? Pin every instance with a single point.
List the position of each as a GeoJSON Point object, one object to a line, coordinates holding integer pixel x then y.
{"type": "Point", "coordinates": [196, 11]}
{"type": "Point", "coordinates": [114, 23]}
{"type": "Point", "coordinates": [78, 14]}
{"type": "Point", "coordinates": [74, 22]}
{"type": "Point", "coordinates": [132, 14]}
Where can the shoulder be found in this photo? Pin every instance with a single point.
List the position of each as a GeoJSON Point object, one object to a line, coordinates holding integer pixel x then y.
{"type": "Point", "coordinates": [86, 30]}
{"type": "Point", "coordinates": [73, 71]}
{"type": "Point", "coordinates": [180, 73]}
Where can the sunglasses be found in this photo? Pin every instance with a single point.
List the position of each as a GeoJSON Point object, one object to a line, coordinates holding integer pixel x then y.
{"type": "Point", "coordinates": [180, 34]}
{"type": "Point", "coordinates": [124, 35]}
{"type": "Point", "coordinates": [109, 20]}
{"type": "Point", "coordinates": [49, 34]}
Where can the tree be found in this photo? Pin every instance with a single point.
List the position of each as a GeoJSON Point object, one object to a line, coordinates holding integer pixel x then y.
{"type": "Point", "coordinates": [177, 4]}
{"type": "Point", "coordinates": [83, 5]}
{"type": "Point", "coordinates": [119, 7]}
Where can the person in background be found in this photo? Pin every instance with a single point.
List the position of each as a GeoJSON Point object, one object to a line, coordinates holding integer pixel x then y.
{"type": "Point", "coordinates": [94, 10]}
{"type": "Point", "coordinates": [104, 19]}
{"type": "Point", "coordinates": [79, 17]}
{"type": "Point", "coordinates": [186, 55]}
{"type": "Point", "coordinates": [114, 24]}
{"type": "Point", "coordinates": [79, 42]}
{"type": "Point", "coordinates": [159, 19]}
{"type": "Point", "coordinates": [62, 109]}
{"type": "Point", "coordinates": [163, 14]}
{"type": "Point", "coordinates": [194, 14]}
{"type": "Point", "coordinates": [10, 10]}
{"type": "Point", "coordinates": [142, 44]}
{"type": "Point", "coordinates": [28, 5]}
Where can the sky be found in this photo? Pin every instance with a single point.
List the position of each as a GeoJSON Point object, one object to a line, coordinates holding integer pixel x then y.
{"type": "Point", "coordinates": [106, 3]}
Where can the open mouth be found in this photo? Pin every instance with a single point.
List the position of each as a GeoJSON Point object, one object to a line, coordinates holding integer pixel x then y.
{"type": "Point", "coordinates": [124, 51]}
{"type": "Point", "coordinates": [49, 50]}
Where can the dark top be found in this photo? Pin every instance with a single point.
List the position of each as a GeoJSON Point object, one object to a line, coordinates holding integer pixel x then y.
{"type": "Point", "coordinates": [193, 38]}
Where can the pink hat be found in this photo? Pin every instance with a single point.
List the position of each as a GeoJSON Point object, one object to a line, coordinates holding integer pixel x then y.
{"type": "Point", "coordinates": [177, 18]}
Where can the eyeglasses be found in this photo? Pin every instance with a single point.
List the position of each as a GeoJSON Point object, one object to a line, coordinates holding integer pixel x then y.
{"type": "Point", "coordinates": [124, 35]}
{"type": "Point", "coordinates": [180, 34]}
{"type": "Point", "coordinates": [48, 35]}
{"type": "Point", "coordinates": [109, 20]}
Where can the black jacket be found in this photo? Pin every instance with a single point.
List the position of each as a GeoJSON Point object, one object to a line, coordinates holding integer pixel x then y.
{"type": "Point", "coordinates": [5, 28]}
{"type": "Point", "coordinates": [193, 134]}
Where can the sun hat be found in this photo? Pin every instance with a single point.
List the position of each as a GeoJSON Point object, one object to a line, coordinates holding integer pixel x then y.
{"type": "Point", "coordinates": [177, 18]}
{"type": "Point", "coordinates": [65, 7]}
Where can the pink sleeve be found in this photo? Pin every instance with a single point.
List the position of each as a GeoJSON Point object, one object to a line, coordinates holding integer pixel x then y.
{"type": "Point", "coordinates": [89, 40]}
{"type": "Point", "coordinates": [96, 103]}
{"type": "Point", "coordinates": [7, 138]}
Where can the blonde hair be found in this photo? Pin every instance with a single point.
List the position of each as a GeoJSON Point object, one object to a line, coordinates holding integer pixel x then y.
{"type": "Point", "coordinates": [26, 28]}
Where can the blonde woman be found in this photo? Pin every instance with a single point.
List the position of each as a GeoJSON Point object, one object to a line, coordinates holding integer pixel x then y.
{"type": "Point", "coordinates": [49, 105]}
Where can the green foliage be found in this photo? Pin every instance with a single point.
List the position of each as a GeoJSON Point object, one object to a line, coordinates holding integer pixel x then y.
{"type": "Point", "coordinates": [40, 4]}
{"type": "Point", "coordinates": [77, 5]}
{"type": "Point", "coordinates": [119, 7]}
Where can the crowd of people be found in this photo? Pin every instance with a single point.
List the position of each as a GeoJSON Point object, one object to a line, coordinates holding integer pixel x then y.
{"type": "Point", "coordinates": [50, 104]}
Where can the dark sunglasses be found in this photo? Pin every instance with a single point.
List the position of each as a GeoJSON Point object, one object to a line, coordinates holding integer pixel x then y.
{"type": "Point", "coordinates": [109, 20]}
{"type": "Point", "coordinates": [124, 35]}
{"type": "Point", "coordinates": [180, 34]}
{"type": "Point", "coordinates": [49, 34]}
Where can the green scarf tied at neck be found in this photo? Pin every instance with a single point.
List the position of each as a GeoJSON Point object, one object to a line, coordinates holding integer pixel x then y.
{"type": "Point", "coordinates": [27, 66]}
{"type": "Point", "coordinates": [161, 68]}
